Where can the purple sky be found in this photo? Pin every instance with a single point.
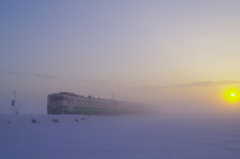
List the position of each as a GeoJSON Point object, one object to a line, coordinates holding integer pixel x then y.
{"type": "Point", "coordinates": [178, 55]}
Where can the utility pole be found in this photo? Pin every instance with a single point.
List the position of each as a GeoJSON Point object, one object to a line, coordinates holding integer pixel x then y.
{"type": "Point", "coordinates": [113, 96]}
{"type": "Point", "coordinates": [14, 102]}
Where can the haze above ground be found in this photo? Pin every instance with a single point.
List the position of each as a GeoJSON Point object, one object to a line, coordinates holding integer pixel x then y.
{"type": "Point", "coordinates": [181, 56]}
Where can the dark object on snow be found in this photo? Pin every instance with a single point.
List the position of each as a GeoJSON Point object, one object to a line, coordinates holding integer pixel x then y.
{"type": "Point", "coordinates": [55, 120]}
{"type": "Point", "coordinates": [76, 119]}
{"type": "Point", "coordinates": [9, 122]}
{"type": "Point", "coordinates": [34, 121]}
{"type": "Point", "coordinates": [83, 119]}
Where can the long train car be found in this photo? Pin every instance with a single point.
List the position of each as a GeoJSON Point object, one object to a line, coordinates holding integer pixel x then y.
{"type": "Point", "coordinates": [70, 103]}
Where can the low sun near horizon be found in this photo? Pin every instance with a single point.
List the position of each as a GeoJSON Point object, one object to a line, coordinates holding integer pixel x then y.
{"type": "Point", "coordinates": [232, 95]}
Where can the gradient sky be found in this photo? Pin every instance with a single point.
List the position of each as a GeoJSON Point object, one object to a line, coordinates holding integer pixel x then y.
{"type": "Point", "coordinates": [178, 55]}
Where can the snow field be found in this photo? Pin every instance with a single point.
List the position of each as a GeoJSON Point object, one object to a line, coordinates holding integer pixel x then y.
{"type": "Point", "coordinates": [117, 137]}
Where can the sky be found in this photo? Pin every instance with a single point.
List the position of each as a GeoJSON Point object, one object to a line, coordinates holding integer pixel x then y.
{"type": "Point", "coordinates": [179, 56]}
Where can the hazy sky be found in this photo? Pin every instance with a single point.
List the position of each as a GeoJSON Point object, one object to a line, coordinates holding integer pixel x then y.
{"type": "Point", "coordinates": [179, 55]}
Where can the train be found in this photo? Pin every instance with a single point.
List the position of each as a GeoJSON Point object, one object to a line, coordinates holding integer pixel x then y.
{"type": "Point", "coordinates": [71, 103]}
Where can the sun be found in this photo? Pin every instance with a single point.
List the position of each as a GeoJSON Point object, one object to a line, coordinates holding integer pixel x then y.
{"type": "Point", "coordinates": [232, 95]}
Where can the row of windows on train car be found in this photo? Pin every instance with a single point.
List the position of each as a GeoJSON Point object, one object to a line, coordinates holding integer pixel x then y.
{"type": "Point", "coordinates": [65, 98]}
{"type": "Point", "coordinates": [85, 102]}
{"type": "Point", "coordinates": [82, 102]}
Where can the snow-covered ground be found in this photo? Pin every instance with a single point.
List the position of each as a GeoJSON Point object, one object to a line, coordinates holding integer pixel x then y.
{"type": "Point", "coordinates": [149, 136]}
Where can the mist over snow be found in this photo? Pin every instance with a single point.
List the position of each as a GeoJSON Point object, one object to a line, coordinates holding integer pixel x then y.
{"type": "Point", "coordinates": [148, 136]}
{"type": "Point", "coordinates": [180, 57]}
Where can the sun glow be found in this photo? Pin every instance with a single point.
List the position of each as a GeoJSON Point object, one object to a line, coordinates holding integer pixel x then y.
{"type": "Point", "coordinates": [232, 95]}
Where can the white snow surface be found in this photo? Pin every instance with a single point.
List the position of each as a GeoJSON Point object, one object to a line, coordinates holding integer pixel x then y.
{"type": "Point", "coordinates": [158, 136]}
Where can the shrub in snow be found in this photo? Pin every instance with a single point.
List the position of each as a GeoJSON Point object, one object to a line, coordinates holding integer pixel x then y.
{"type": "Point", "coordinates": [55, 120]}
{"type": "Point", "coordinates": [33, 121]}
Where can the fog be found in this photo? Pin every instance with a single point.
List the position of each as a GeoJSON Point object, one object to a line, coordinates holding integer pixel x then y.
{"type": "Point", "coordinates": [178, 56]}
{"type": "Point", "coordinates": [180, 59]}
